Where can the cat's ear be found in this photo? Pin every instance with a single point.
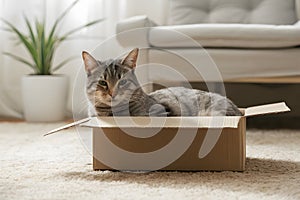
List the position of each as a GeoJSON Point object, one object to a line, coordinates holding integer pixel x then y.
{"type": "Point", "coordinates": [131, 58]}
{"type": "Point", "coordinates": [90, 63]}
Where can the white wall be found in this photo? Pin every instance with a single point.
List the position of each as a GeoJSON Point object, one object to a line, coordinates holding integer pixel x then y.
{"type": "Point", "coordinates": [154, 9]}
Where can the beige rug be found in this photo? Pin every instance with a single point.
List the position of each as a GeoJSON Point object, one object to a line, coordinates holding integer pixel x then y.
{"type": "Point", "coordinates": [58, 167]}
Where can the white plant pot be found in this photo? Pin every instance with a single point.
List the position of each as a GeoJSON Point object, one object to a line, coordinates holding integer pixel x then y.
{"type": "Point", "coordinates": [44, 97]}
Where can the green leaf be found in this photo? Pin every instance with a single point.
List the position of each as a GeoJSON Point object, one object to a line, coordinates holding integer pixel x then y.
{"type": "Point", "coordinates": [38, 45]}
{"type": "Point", "coordinates": [5, 29]}
{"type": "Point", "coordinates": [22, 60]}
{"type": "Point", "coordinates": [43, 53]}
{"type": "Point", "coordinates": [63, 63]}
{"type": "Point", "coordinates": [66, 35]}
{"type": "Point", "coordinates": [24, 39]}
{"type": "Point", "coordinates": [32, 37]}
{"type": "Point", "coordinates": [61, 17]}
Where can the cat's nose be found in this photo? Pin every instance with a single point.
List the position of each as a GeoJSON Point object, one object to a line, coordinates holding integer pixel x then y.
{"type": "Point", "coordinates": [112, 93]}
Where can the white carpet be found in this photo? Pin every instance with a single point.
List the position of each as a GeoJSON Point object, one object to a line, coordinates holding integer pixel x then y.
{"type": "Point", "coordinates": [58, 167]}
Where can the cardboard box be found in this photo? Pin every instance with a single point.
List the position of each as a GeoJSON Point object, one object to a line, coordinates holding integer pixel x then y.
{"type": "Point", "coordinates": [172, 143]}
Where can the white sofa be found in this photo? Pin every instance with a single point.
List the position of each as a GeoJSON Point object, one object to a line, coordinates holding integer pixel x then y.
{"type": "Point", "coordinates": [244, 38]}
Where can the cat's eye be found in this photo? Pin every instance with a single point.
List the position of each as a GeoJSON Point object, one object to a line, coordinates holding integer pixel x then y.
{"type": "Point", "coordinates": [102, 83]}
{"type": "Point", "coordinates": [122, 82]}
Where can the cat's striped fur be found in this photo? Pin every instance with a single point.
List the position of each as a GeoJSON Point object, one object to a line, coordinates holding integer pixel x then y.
{"type": "Point", "coordinates": [113, 89]}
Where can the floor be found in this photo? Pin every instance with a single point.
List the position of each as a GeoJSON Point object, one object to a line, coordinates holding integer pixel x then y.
{"type": "Point", "coordinates": [59, 167]}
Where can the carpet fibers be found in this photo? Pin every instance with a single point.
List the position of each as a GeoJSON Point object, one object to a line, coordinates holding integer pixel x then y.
{"type": "Point", "coordinates": [59, 167]}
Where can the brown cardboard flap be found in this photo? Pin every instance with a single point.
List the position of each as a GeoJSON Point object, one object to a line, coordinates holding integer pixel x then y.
{"type": "Point", "coordinates": [153, 122]}
{"type": "Point", "coordinates": [68, 126]}
{"type": "Point", "coordinates": [166, 122]}
{"type": "Point", "coordinates": [175, 122]}
{"type": "Point", "coordinates": [266, 109]}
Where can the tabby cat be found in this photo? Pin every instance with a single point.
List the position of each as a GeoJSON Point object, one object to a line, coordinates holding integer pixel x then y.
{"type": "Point", "coordinates": [113, 89]}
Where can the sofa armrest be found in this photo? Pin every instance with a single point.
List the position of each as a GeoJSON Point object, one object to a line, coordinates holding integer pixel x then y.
{"type": "Point", "coordinates": [132, 32]}
{"type": "Point", "coordinates": [297, 23]}
{"type": "Point", "coordinates": [141, 21]}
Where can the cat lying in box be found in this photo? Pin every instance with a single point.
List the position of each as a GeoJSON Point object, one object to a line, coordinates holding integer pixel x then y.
{"type": "Point", "coordinates": [113, 89]}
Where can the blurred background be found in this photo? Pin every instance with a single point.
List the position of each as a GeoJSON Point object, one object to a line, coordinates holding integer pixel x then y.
{"type": "Point", "coordinates": [11, 71]}
{"type": "Point", "coordinates": [244, 93]}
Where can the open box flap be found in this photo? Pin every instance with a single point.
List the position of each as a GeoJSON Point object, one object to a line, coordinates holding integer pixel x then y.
{"type": "Point", "coordinates": [68, 126]}
{"type": "Point", "coordinates": [174, 122]}
{"type": "Point", "coordinates": [266, 109]}
{"type": "Point", "coordinates": [166, 122]}
{"type": "Point", "coordinates": [153, 122]}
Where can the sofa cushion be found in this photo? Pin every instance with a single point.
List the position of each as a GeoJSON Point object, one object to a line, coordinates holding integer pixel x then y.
{"type": "Point", "coordinates": [274, 12]}
{"type": "Point", "coordinates": [231, 63]}
{"type": "Point", "coordinates": [225, 35]}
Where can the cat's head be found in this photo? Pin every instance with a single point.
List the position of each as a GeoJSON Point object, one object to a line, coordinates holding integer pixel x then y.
{"type": "Point", "coordinates": [110, 82]}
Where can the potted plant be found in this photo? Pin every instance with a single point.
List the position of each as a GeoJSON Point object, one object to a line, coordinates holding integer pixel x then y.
{"type": "Point", "coordinates": [44, 93]}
